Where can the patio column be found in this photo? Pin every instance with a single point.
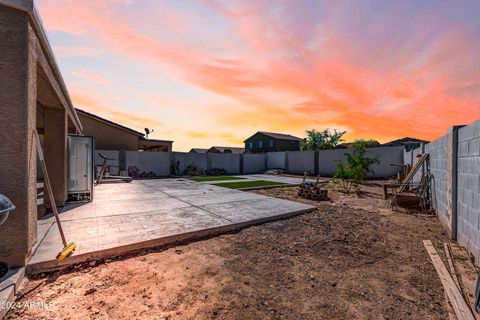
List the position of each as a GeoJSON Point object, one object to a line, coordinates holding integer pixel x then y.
{"type": "Point", "coordinates": [55, 149]}
{"type": "Point", "coordinates": [17, 147]}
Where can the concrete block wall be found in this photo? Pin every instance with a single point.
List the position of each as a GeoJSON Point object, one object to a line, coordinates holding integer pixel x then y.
{"type": "Point", "coordinates": [275, 160]}
{"type": "Point", "coordinates": [468, 183]}
{"type": "Point", "coordinates": [438, 168]}
{"type": "Point", "coordinates": [300, 161]}
{"type": "Point", "coordinates": [297, 162]}
{"type": "Point", "coordinates": [455, 167]}
{"type": "Point", "coordinates": [184, 159]}
{"type": "Point", "coordinates": [114, 165]}
{"type": "Point", "coordinates": [229, 162]}
{"type": "Point", "coordinates": [156, 162]}
{"type": "Point", "coordinates": [327, 161]}
{"type": "Point", "coordinates": [253, 163]}
{"type": "Point", "coordinates": [386, 156]}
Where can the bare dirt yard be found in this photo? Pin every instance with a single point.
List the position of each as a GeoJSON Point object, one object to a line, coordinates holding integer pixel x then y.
{"type": "Point", "coordinates": [353, 258]}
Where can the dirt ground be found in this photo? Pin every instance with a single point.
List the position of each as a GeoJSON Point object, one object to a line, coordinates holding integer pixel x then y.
{"type": "Point", "coordinates": [353, 258]}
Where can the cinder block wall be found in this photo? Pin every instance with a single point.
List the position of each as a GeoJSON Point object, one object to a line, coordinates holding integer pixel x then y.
{"type": "Point", "coordinates": [468, 182]}
{"type": "Point", "coordinates": [229, 162]}
{"type": "Point", "coordinates": [438, 168]}
{"type": "Point", "coordinates": [184, 159]}
{"type": "Point", "coordinates": [114, 165]}
{"type": "Point", "coordinates": [300, 161]}
{"type": "Point", "coordinates": [327, 161]}
{"type": "Point", "coordinates": [275, 160]}
{"type": "Point", "coordinates": [292, 161]}
{"type": "Point", "coordinates": [385, 156]}
{"type": "Point", "coordinates": [467, 185]}
{"type": "Point", "coordinates": [253, 163]}
{"type": "Point", "coordinates": [157, 162]}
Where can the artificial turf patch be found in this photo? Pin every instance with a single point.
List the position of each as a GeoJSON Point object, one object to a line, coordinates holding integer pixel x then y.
{"type": "Point", "coordinates": [249, 184]}
{"type": "Point", "coordinates": [215, 178]}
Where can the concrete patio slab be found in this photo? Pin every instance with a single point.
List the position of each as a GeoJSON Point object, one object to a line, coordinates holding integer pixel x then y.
{"type": "Point", "coordinates": [147, 213]}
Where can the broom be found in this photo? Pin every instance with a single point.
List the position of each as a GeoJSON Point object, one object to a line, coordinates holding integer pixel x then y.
{"type": "Point", "coordinates": [67, 247]}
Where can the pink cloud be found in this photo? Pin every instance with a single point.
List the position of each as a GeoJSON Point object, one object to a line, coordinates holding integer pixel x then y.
{"type": "Point", "coordinates": [377, 81]}
{"type": "Point", "coordinates": [67, 51]}
{"type": "Point", "coordinates": [91, 76]}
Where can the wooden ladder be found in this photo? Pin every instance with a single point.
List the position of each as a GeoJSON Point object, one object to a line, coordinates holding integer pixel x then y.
{"type": "Point", "coordinates": [422, 158]}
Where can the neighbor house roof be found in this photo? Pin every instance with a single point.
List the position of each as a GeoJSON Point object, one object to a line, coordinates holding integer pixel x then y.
{"type": "Point", "coordinates": [156, 140]}
{"type": "Point", "coordinates": [227, 149]}
{"type": "Point", "coordinates": [403, 141]}
{"type": "Point", "coordinates": [345, 145]}
{"type": "Point", "coordinates": [279, 136]}
{"type": "Point", "coordinates": [198, 150]}
{"type": "Point", "coordinates": [108, 122]}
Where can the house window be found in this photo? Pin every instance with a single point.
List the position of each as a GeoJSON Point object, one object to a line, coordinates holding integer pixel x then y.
{"type": "Point", "coordinates": [260, 144]}
{"type": "Point", "coordinates": [270, 143]}
{"type": "Point", "coordinates": [250, 145]}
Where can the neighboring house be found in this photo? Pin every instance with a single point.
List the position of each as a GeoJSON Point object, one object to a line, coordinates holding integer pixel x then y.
{"type": "Point", "coordinates": [234, 150]}
{"type": "Point", "coordinates": [407, 142]}
{"type": "Point", "coordinates": [198, 150]}
{"type": "Point", "coordinates": [154, 145]}
{"type": "Point", "coordinates": [110, 135]}
{"type": "Point", "coordinates": [345, 145]}
{"type": "Point", "coordinates": [269, 141]}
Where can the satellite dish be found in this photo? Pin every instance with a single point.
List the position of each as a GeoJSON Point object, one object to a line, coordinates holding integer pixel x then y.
{"type": "Point", "coordinates": [147, 132]}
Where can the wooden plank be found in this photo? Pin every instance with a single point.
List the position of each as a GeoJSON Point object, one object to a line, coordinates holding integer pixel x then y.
{"type": "Point", "coordinates": [451, 266]}
{"type": "Point", "coordinates": [467, 274]}
{"type": "Point", "coordinates": [412, 172]}
{"type": "Point", "coordinates": [451, 314]}
{"type": "Point", "coordinates": [460, 307]}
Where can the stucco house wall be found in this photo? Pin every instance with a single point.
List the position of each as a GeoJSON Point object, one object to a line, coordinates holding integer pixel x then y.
{"type": "Point", "coordinates": [108, 137]}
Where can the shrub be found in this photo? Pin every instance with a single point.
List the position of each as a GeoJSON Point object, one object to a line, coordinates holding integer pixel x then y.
{"type": "Point", "coordinates": [192, 171]}
{"type": "Point", "coordinates": [349, 177]}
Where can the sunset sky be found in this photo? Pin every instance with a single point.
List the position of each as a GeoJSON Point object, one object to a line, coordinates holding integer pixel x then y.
{"type": "Point", "coordinates": [206, 73]}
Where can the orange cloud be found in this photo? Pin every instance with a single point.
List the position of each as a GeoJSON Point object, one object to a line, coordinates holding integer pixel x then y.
{"type": "Point", "coordinates": [289, 70]}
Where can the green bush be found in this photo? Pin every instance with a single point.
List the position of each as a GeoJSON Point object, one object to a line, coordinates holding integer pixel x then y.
{"type": "Point", "coordinates": [349, 177]}
{"type": "Point", "coordinates": [192, 171]}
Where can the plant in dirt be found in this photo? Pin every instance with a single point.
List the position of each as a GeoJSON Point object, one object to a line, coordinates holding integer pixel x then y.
{"type": "Point", "coordinates": [192, 171]}
{"type": "Point", "coordinates": [321, 140]}
{"type": "Point", "coordinates": [175, 169]}
{"type": "Point", "coordinates": [349, 176]}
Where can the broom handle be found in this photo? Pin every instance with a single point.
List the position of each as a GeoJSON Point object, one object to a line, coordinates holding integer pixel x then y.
{"type": "Point", "coordinates": [49, 187]}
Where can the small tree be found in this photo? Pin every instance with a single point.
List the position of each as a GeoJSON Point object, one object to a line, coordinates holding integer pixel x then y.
{"type": "Point", "coordinates": [350, 176]}
{"type": "Point", "coordinates": [321, 140]}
